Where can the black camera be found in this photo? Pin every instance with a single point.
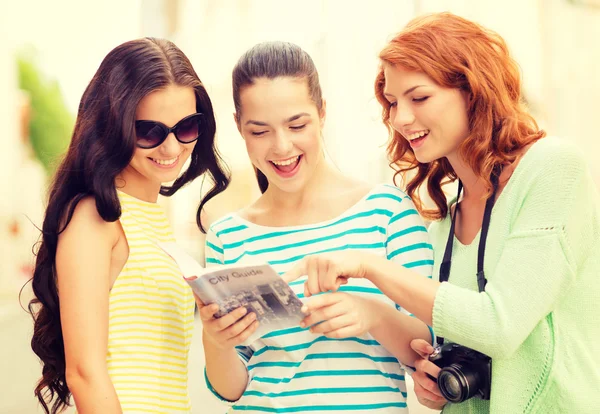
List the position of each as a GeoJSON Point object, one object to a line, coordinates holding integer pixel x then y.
{"type": "Point", "coordinates": [465, 372]}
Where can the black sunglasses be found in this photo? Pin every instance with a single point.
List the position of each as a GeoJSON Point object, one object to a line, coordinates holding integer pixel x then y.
{"type": "Point", "coordinates": [150, 134]}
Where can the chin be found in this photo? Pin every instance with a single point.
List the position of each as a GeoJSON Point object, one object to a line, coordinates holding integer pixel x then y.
{"type": "Point", "coordinates": [166, 178]}
{"type": "Point", "coordinates": [425, 158]}
{"type": "Point", "coordinates": [172, 178]}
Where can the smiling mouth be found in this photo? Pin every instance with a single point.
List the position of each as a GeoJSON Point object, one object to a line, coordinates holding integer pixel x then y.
{"type": "Point", "coordinates": [287, 165]}
{"type": "Point", "coordinates": [417, 135]}
{"type": "Point", "coordinates": [416, 140]}
{"type": "Point", "coordinates": [165, 163]}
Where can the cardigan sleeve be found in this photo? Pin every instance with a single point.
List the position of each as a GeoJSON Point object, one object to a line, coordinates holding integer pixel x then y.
{"type": "Point", "coordinates": [537, 266]}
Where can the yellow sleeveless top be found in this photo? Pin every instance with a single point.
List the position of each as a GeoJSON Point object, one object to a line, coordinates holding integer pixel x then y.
{"type": "Point", "coordinates": [151, 314]}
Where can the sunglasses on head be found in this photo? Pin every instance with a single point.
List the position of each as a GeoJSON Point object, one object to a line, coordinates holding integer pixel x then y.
{"type": "Point", "coordinates": [150, 134]}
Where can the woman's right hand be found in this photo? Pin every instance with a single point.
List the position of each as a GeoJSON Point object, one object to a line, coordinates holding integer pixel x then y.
{"type": "Point", "coordinates": [426, 389]}
{"type": "Point", "coordinates": [229, 330]}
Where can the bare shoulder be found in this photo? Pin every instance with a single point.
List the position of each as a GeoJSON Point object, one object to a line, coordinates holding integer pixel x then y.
{"type": "Point", "coordinates": [90, 246]}
{"type": "Point", "coordinates": [351, 189]}
{"type": "Point", "coordinates": [86, 221]}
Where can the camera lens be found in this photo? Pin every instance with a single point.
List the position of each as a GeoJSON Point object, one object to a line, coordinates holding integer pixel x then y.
{"type": "Point", "coordinates": [452, 386]}
{"type": "Point", "coordinates": [458, 383]}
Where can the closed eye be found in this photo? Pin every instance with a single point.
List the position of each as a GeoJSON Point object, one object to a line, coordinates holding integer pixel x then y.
{"type": "Point", "coordinates": [423, 99]}
{"type": "Point", "coordinates": [297, 127]}
{"type": "Point", "coordinates": [258, 133]}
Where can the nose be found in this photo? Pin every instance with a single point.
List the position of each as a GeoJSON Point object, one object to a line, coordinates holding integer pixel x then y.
{"type": "Point", "coordinates": [170, 146]}
{"type": "Point", "coordinates": [402, 116]}
{"type": "Point", "coordinates": [282, 143]}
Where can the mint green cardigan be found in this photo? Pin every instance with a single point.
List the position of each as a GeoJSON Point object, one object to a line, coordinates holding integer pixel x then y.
{"type": "Point", "coordinates": [539, 317]}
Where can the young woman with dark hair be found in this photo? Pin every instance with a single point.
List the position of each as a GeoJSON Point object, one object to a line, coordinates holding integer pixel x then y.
{"type": "Point", "coordinates": [113, 315]}
{"type": "Point", "coordinates": [349, 361]}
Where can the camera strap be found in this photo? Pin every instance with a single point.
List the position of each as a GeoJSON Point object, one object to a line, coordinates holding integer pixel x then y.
{"type": "Point", "coordinates": [485, 225]}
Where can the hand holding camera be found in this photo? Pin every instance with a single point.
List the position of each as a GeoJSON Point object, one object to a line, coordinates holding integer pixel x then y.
{"type": "Point", "coordinates": [465, 373]}
{"type": "Point", "coordinates": [425, 377]}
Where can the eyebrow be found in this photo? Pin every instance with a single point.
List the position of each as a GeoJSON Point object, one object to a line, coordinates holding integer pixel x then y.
{"type": "Point", "coordinates": [290, 119]}
{"type": "Point", "coordinates": [406, 92]}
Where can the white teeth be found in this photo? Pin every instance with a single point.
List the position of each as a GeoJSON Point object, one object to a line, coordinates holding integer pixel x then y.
{"type": "Point", "coordinates": [165, 162]}
{"type": "Point", "coordinates": [417, 135]}
{"type": "Point", "coordinates": [286, 162]}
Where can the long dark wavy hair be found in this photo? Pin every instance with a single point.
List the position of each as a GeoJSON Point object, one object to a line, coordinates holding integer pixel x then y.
{"type": "Point", "coordinates": [102, 145]}
{"type": "Point", "coordinates": [272, 60]}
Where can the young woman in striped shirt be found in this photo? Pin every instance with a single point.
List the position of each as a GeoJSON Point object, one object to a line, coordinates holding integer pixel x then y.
{"type": "Point", "coordinates": [113, 315]}
{"type": "Point", "coordinates": [349, 362]}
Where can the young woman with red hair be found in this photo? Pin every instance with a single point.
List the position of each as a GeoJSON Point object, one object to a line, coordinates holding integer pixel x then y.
{"type": "Point", "coordinates": [516, 252]}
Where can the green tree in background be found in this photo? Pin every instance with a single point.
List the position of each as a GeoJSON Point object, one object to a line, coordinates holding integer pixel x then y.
{"type": "Point", "coordinates": [51, 123]}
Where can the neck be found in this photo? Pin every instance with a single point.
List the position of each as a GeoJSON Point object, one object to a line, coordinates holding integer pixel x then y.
{"type": "Point", "coordinates": [473, 187]}
{"type": "Point", "coordinates": [132, 183]}
{"type": "Point", "coordinates": [313, 190]}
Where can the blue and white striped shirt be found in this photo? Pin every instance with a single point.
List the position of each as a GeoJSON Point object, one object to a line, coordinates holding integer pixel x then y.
{"type": "Point", "coordinates": [295, 371]}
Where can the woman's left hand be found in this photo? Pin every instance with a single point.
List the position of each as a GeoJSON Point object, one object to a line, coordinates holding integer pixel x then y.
{"type": "Point", "coordinates": [341, 315]}
{"type": "Point", "coordinates": [426, 388]}
{"type": "Point", "coordinates": [328, 271]}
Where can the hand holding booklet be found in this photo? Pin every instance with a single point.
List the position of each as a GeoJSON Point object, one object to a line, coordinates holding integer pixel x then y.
{"type": "Point", "coordinates": [257, 287]}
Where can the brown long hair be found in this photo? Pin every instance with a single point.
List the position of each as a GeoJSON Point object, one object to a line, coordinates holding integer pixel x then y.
{"type": "Point", "coordinates": [102, 145]}
{"type": "Point", "coordinates": [457, 53]}
{"type": "Point", "coordinates": [272, 60]}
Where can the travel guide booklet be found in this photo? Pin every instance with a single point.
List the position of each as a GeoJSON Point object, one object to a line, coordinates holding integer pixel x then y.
{"type": "Point", "coordinates": [257, 287]}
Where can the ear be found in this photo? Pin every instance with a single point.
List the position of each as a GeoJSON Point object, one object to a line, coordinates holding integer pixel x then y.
{"type": "Point", "coordinates": [323, 113]}
{"type": "Point", "coordinates": [236, 119]}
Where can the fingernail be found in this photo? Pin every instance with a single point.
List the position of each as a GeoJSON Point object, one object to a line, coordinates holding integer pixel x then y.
{"type": "Point", "coordinates": [304, 309]}
{"type": "Point", "coordinates": [243, 311]}
{"type": "Point", "coordinates": [302, 324]}
{"type": "Point", "coordinates": [252, 315]}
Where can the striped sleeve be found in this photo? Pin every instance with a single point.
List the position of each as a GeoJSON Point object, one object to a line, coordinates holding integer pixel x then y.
{"type": "Point", "coordinates": [213, 249]}
{"type": "Point", "coordinates": [215, 256]}
{"type": "Point", "coordinates": [407, 240]}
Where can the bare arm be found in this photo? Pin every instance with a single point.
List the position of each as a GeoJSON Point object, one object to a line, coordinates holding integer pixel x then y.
{"type": "Point", "coordinates": [407, 244]}
{"type": "Point", "coordinates": [82, 266]}
{"type": "Point", "coordinates": [226, 373]}
{"type": "Point", "coordinates": [403, 286]}
{"type": "Point", "coordinates": [395, 330]}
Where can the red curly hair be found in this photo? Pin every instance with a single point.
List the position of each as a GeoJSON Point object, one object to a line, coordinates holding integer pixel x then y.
{"type": "Point", "coordinates": [457, 53]}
